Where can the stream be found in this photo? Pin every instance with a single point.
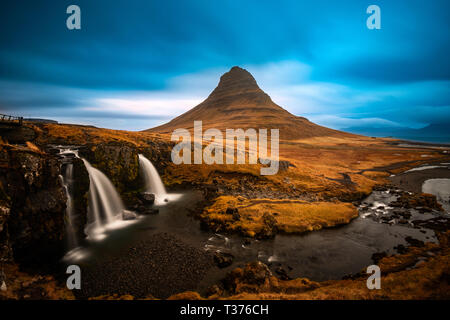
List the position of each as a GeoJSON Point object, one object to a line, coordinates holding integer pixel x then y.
{"type": "Point", "coordinates": [320, 255]}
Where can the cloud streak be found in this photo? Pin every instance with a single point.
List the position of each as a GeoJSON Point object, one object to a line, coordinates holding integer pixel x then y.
{"type": "Point", "coordinates": [156, 59]}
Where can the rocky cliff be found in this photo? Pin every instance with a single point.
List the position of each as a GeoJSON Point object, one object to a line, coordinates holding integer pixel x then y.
{"type": "Point", "coordinates": [32, 207]}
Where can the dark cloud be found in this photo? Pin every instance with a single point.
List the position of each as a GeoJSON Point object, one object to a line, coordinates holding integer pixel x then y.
{"type": "Point", "coordinates": [142, 45]}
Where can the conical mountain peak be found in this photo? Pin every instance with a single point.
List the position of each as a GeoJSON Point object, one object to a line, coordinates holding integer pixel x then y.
{"type": "Point", "coordinates": [238, 102]}
{"type": "Point", "coordinates": [237, 76]}
{"type": "Point", "coordinates": [238, 84]}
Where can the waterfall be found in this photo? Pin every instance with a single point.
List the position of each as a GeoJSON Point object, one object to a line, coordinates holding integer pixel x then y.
{"type": "Point", "coordinates": [105, 205]}
{"type": "Point", "coordinates": [74, 252]}
{"type": "Point", "coordinates": [153, 183]}
{"type": "Point", "coordinates": [72, 241]}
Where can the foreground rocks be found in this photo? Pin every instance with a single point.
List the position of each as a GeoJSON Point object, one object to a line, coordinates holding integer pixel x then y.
{"type": "Point", "coordinates": [223, 259]}
{"type": "Point", "coordinates": [147, 198]}
{"type": "Point", "coordinates": [160, 266]}
{"type": "Point", "coordinates": [32, 207]}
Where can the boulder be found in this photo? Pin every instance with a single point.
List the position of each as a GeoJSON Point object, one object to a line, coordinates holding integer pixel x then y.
{"type": "Point", "coordinates": [223, 259]}
{"type": "Point", "coordinates": [147, 198]}
{"type": "Point", "coordinates": [256, 273]}
{"type": "Point", "coordinates": [128, 215]}
{"type": "Point", "coordinates": [282, 273]}
{"type": "Point", "coordinates": [269, 228]}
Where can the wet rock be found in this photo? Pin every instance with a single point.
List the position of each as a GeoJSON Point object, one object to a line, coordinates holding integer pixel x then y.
{"type": "Point", "coordinates": [282, 273]}
{"type": "Point", "coordinates": [441, 224]}
{"type": "Point", "coordinates": [119, 162]}
{"type": "Point", "coordinates": [80, 191]}
{"type": "Point", "coordinates": [380, 188]}
{"type": "Point", "coordinates": [4, 214]}
{"type": "Point", "coordinates": [377, 256]}
{"type": "Point", "coordinates": [128, 215]}
{"type": "Point", "coordinates": [414, 242]}
{"type": "Point", "coordinates": [223, 259]}
{"type": "Point", "coordinates": [423, 202]}
{"type": "Point", "coordinates": [147, 198]}
{"type": "Point", "coordinates": [256, 273]}
{"type": "Point", "coordinates": [401, 249]}
{"type": "Point", "coordinates": [2, 281]}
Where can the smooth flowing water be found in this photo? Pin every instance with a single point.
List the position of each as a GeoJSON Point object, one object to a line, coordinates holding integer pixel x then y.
{"type": "Point", "coordinates": [67, 180]}
{"type": "Point", "coordinates": [105, 205]}
{"type": "Point", "coordinates": [153, 182]}
{"type": "Point", "coordinates": [319, 255]}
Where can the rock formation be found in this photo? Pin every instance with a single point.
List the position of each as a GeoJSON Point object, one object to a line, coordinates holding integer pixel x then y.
{"type": "Point", "coordinates": [238, 102]}
{"type": "Point", "coordinates": [32, 207]}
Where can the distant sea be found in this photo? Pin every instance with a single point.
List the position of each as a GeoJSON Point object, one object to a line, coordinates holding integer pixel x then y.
{"type": "Point", "coordinates": [444, 140]}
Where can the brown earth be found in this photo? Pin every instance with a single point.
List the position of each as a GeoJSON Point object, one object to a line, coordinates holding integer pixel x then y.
{"type": "Point", "coordinates": [238, 102]}
{"type": "Point", "coordinates": [323, 169]}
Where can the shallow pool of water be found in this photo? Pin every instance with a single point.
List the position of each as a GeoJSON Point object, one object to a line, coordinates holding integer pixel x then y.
{"type": "Point", "coordinates": [441, 189]}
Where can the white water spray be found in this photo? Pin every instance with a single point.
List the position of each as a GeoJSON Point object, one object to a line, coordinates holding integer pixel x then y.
{"type": "Point", "coordinates": [72, 241]}
{"type": "Point", "coordinates": [105, 205]}
{"type": "Point", "coordinates": [75, 252]}
{"type": "Point", "coordinates": [153, 183]}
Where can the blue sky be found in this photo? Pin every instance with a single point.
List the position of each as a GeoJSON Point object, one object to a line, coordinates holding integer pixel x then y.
{"type": "Point", "coordinates": [137, 64]}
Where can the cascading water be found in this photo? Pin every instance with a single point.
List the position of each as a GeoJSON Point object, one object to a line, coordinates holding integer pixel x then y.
{"type": "Point", "coordinates": [105, 205]}
{"type": "Point", "coordinates": [72, 241]}
{"type": "Point", "coordinates": [74, 252]}
{"type": "Point", "coordinates": [153, 183]}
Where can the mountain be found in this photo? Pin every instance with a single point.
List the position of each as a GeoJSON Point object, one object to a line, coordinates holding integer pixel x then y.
{"type": "Point", "coordinates": [434, 132]}
{"type": "Point", "coordinates": [38, 120]}
{"type": "Point", "coordinates": [238, 102]}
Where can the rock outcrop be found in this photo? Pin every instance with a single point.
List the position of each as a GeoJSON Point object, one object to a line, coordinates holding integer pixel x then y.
{"type": "Point", "coordinates": [119, 162]}
{"type": "Point", "coordinates": [80, 191]}
{"type": "Point", "coordinates": [32, 207]}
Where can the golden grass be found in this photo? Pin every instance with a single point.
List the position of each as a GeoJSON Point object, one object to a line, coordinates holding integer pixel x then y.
{"type": "Point", "coordinates": [21, 285]}
{"type": "Point", "coordinates": [317, 160]}
{"type": "Point", "coordinates": [291, 216]}
{"type": "Point", "coordinates": [33, 147]}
